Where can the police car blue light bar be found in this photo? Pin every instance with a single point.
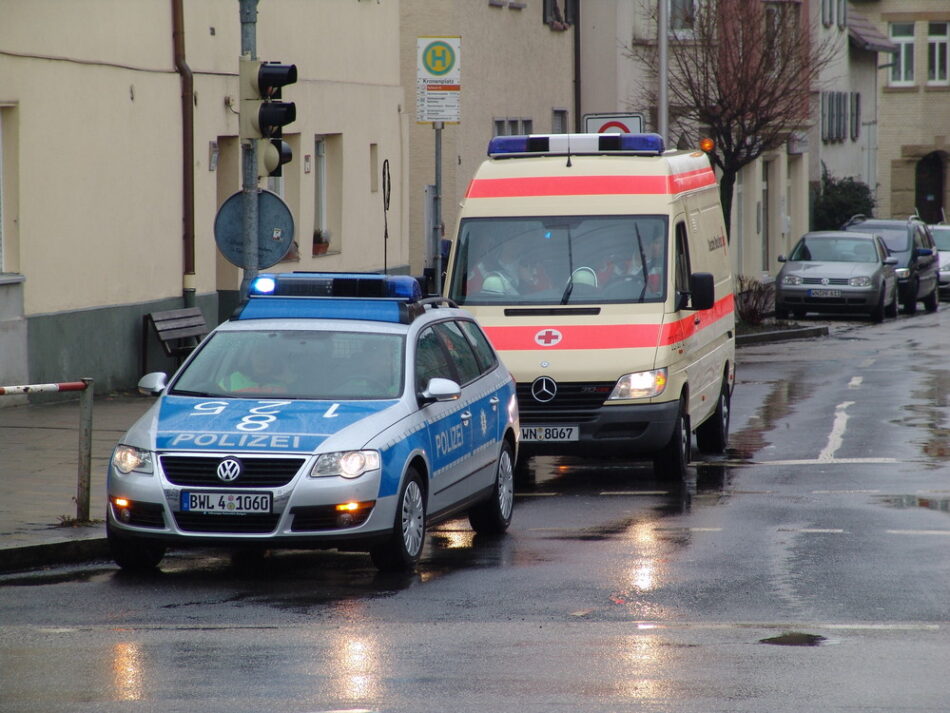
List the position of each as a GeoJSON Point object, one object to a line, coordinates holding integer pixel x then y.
{"type": "Point", "coordinates": [333, 295]}
{"type": "Point", "coordinates": [336, 284]}
{"type": "Point", "coordinates": [575, 144]}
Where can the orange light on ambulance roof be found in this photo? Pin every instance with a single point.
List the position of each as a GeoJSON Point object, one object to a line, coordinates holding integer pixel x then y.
{"type": "Point", "coordinates": [707, 144]}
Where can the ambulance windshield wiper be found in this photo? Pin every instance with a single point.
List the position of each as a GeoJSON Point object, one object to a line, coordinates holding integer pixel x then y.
{"type": "Point", "coordinates": [643, 262]}
{"type": "Point", "coordinates": [570, 264]}
{"type": "Point", "coordinates": [568, 290]}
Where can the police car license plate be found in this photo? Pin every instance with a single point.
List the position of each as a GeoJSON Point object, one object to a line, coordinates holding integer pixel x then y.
{"type": "Point", "coordinates": [226, 503]}
{"type": "Point", "coordinates": [550, 433]}
{"type": "Point", "coordinates": [824, 293]}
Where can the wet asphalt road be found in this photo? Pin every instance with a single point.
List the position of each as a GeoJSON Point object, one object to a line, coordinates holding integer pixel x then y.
{"type": "Point", "coordinates": [824, 532]}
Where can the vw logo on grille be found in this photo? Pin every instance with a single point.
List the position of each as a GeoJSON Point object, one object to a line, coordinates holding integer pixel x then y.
{"type": "Point", "coordinates": [825, 281]}
{"type": "Point", "coordinates": [229, 469]}
{"type": "Point", "coordinates": [544, 389]}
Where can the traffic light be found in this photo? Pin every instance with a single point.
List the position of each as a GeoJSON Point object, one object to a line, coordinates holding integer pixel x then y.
{"type": "Point", "coordinates": [263, 114]}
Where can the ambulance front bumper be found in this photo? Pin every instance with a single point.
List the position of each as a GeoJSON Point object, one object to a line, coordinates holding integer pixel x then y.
{"type": "Point", "coordinates": [633, 430]}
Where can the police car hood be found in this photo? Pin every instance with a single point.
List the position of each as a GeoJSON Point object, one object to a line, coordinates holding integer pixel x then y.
{"type": "Point", "coordinates": [184, 423]}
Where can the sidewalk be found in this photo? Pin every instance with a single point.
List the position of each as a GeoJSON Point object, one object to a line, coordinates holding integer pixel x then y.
{"type": "Point", "coordinates": [39, 458]}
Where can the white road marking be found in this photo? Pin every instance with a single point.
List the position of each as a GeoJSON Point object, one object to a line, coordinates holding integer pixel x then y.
{"type": "Point", "coordinates": [837, 431]}
{"type": "Point", "coordinates": [917, 532]}
{"type": "Point", "coordinates": [855, 382]}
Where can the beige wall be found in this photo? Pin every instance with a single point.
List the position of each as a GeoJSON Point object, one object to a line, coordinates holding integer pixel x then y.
{"type": "Point", "coordinates": [90, 105]}
{"type": "Point", "coordinates": [914, 121]}
{"type": "Point", "coordinates": [512, 65]}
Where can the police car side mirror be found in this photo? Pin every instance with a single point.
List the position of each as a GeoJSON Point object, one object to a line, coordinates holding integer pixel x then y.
{"type": "Point", "coordinates": [153, 384]}
{"type": "Point", "coordinates": [439, 389]}
{"type": "Point", "coordinates": [702, 290]}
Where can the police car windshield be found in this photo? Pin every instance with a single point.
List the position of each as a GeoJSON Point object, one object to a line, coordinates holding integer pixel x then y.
{"type": "Point", "coordinates": [557, 260]}
{"type": "Point", "coordinates": [296, 364]}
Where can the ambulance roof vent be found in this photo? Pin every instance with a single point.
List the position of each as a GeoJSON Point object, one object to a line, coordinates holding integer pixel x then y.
{"type": "Point", "coordinates": [575, 145]}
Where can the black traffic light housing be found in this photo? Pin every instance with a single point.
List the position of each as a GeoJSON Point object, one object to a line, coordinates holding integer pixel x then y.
{"type": "Point", "coordinates": [264, 114]}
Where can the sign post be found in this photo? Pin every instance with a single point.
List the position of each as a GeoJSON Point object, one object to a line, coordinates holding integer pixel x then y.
{"type": "Point", "coordinates": [438, 90]}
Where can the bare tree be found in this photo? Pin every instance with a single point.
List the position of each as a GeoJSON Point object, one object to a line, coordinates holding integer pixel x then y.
{"type": "Point", "coordinates": [741, 72]}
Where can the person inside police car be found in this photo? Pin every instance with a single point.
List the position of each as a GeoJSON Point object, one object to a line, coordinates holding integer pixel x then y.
{"type": "Point", "coordinates": [257, 371]}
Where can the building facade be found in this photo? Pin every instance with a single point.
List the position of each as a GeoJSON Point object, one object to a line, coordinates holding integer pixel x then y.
{"type": "Point", "coordinates": [98, 225]}
{"type": "Point", "coordinates": [914, 132]}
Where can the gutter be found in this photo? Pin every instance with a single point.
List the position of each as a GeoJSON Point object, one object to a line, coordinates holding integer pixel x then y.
{"type": "Point", "coordinates": [187, 154]}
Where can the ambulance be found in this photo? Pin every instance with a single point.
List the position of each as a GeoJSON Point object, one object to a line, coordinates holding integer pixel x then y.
{"type": "Point", "coordinates": [598, 266]}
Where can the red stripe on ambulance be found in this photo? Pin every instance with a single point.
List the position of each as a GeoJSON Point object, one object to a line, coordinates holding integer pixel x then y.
{"type": "Point", "coordinates": [535, 186]}
{"type": "Point", "coordinates": [606, 336]}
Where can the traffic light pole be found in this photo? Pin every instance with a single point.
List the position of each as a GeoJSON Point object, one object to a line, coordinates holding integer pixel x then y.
{"type": "Point", "coordinates": [249, 157]}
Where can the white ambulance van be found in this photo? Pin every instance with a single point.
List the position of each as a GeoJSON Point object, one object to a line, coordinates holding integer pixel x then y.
{"type": "Point", "coordinates": [598, 266]}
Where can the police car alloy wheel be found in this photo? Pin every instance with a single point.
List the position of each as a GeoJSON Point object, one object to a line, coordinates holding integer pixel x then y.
{"type": "Point", "coordinates": [403, 548]}
{"type": "Point", "coordinates": [493, 516]}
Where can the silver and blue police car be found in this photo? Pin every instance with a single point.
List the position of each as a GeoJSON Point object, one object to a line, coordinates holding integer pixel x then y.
{"type": "Point", "coordinates": [333, 410]}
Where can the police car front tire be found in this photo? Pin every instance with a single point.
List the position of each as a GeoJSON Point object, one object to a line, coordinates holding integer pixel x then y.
{"type": "Point", "coordinates": [493, 516]}
{"type": "Point", "coordinates": [133, 554]}
{"type": "Point", "coordinates": [401, 551]}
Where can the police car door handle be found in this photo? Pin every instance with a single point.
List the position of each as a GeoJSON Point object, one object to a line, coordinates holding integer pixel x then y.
{"type": "Point", "coordinates": [494, 401]}
{"type": "Point", "coordinates": [466, 417]}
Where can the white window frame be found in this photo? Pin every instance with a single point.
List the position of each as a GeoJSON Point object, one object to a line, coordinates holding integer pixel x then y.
{"type": "Point", "coordinates": [679, 8]}
{"type": "Point", "coordinates": [902, 70]}
{"type": "Point", "coordinates": [938, 55]}
{"type": "Point", "coordinates": [828, 12]}
{"type": "Point", "coordinates": [842, 14]}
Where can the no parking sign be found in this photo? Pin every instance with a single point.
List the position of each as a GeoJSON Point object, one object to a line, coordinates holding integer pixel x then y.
{"type": "Point", "coordinates": [613, 123]}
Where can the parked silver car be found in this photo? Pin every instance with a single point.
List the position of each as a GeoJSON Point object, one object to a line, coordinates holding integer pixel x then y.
{"type": "Point", "coordinates": [837, 272]}
{"type": "Point", "coordinates": [941, 233]}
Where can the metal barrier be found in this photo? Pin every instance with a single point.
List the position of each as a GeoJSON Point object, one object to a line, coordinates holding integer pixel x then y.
{"type": "Point", "coordinates": [85, 433]}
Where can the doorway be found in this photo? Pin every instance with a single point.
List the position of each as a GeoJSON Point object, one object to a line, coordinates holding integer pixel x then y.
{"type": "Point", "coordinates": [929, 187]}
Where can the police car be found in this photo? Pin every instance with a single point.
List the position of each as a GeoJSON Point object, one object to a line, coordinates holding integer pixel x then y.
{"type": "Point", "coordinates": [333, 410]}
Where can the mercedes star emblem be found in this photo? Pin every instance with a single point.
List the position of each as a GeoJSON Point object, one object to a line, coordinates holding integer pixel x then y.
{"type": "Point", "coordinates": [544, 389]}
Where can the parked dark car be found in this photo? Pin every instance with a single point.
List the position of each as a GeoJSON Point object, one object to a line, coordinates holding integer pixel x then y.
{"type": "Point", "coordinates": [918, 263]}
{"type": "Point", "coordinates": [941, 233]}
{"type": "Point", "coordinates": [835, 271]}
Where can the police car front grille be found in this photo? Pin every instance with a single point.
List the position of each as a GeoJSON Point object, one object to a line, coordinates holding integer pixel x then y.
{"type": "Point", "coordinates": [256, 473]}
{"type": "Point", "coordinates": [235, 524]}
{"type": "Point", "coordinates": [575, 402]}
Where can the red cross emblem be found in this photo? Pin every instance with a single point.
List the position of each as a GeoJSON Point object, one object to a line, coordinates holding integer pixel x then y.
{"type": "Point", "coordinates": [548, 337]}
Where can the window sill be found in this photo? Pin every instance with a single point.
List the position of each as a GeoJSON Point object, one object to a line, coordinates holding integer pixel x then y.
{"type": "Point", "coordinates": [937, 88]}
{"type": "Point", "coordinates": [900, 90]}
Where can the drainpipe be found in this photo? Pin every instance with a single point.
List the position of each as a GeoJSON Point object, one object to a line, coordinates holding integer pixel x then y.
{"type": "Point", "coordinates": [578, 119]}
{"type": "Point", "coordinates": [187, 154]}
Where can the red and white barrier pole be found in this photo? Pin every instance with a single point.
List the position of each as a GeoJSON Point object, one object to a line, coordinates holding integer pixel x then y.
{"type": "Point", "coordinates": [84, 469]}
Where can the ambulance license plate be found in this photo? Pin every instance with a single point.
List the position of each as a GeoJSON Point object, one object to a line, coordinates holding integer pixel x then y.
{"type": "Point", "coordinates": [824, 293]}
{"type": "Point", "coordinates": [550, 433]}
{"type": "Point", "coordinates": [226, 503]}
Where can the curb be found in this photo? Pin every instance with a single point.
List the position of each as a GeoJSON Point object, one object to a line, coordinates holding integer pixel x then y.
{"type": "Point", "coordinates": [29, 557]}
{"type": "Point", "coordinates": [781, 335]}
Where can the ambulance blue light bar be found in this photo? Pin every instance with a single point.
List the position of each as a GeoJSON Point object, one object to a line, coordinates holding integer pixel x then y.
{"type": "Point", "coordinates": [575, 145]}
{"type": "Point", "coordinates": [321, 295]}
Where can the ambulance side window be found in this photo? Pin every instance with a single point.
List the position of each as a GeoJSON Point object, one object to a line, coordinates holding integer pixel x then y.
{"type": "Point", "coordinates": [431, 360]}
{"type": "Point", "coordinates": [682, 259]}
{"type": "Point", "coordinates": [460, 351]}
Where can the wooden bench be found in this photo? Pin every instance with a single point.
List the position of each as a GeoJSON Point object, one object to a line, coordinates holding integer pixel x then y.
{"type": "Point", "coordinates": [178, 331]}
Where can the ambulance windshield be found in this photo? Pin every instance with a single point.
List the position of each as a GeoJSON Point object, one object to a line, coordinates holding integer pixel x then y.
{"type": "Point", "coordinates": [298, 364]}
{"type": "Point", "coordinates": [560, 260]}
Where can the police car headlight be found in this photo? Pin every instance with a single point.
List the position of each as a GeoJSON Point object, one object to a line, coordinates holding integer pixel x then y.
{"type": "Point", "coordinates": [348, 464]}
{"type": "Point", "coordinates": [640, 385]}
{"type": "Point", "coordinates": [126, 459]}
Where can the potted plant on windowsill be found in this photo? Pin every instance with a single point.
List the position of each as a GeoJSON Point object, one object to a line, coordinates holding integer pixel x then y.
{"type": "Point", "coordinates": [321, 241]}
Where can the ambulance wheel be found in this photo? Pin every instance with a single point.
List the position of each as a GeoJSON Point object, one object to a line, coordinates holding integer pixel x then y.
{"type": "Point", "coordinates": [670, 463]}
{"type": "Point", "coordinates": [134, 554]}
{"type": "Point", "coordinates": [493, 516]}
{"type": "Point", "coordinates": [713, 435]}
{"type": "Point", "coordinates": [402, 549]}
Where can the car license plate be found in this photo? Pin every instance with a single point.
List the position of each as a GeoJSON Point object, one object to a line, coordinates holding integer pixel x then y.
{"type": "Point", "coordinates": [550, 433]}
{"type": "Point", "coordinates": [824, 293]}
{"type": "Point", "coordinates": [226, 503]}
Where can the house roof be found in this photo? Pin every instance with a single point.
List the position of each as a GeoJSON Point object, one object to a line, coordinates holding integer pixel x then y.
{"type": "Point", "coordinates": [864, 35]}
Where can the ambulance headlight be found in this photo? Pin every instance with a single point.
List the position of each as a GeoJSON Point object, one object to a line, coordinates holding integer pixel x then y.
{"type": "Point", "coordinates": [348, 464]}
{"type": "Point", "coordinates": [126, 459]}
{"type": "Point", "coordinates": [640, 385]}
